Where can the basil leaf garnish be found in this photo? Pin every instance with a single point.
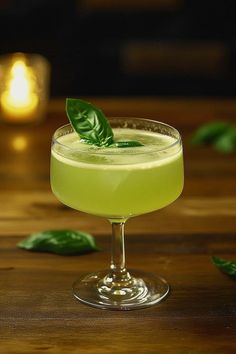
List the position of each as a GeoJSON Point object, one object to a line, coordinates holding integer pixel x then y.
{"type": "Point", "coordinates": [63, 242]}
{"type": "Point", "coordinates": [89, 122]}
{"type": "Point", "coordinates": [92, 125]}
{"type": "Point", "coordinates": [226, 266]}
{"type": "Point", "coordinates": [126, 144]}
{"type": "Point", "coordinates": [209, 132]}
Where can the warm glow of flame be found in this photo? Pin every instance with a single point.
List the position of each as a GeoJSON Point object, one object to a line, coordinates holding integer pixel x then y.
{"type": "Point", "coordinates": [19, 143]}
{"type": "Point", "coordinates": [19, 99]}
{"type": "Point", "coordinates": [20, 85]}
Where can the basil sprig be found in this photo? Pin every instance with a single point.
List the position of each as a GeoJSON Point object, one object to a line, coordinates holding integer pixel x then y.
{"type": "Point", "coordinates": [63, 242]}
{"type": "Point", "coordinates": [226, 266]}
{"type": "Point", "coordinates": [221, 135]}
{"type": "Point", "coordinates": [89, 122]}
{"type": "Point", "coordinates": [92, 125]}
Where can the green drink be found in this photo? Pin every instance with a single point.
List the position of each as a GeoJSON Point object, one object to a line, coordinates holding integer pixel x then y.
{"type": "Point", "coordinates": [115, 182]}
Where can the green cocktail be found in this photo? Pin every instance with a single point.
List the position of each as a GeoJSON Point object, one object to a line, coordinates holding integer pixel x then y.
{"type": "Point", "coordinates": [118, 183]}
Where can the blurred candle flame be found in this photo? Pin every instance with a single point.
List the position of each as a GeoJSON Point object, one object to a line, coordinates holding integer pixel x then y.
{"type": "Point", "coordinates": [19, 99]}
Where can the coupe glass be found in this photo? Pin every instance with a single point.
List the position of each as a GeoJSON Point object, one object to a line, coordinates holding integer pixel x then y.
{"type": "Point", "coordinates": [118, 184]}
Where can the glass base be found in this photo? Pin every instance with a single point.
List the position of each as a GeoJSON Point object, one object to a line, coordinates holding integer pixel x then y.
{"type": "Point", "coordinates": [142, 290]}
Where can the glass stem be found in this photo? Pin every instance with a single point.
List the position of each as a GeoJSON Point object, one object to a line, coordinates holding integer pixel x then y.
{"type": "Point", "coordinates": [118, 272]}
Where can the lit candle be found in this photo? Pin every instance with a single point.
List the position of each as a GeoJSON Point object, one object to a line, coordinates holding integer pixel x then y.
{"type": "Point", "coordinates": [19, 101]}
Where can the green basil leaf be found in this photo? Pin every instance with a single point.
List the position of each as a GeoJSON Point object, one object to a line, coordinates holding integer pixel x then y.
{"type": "Point", "coordinates": [63, 242]}
{"type": "Point", "coordinates": [209, 132]}
{"type": "Point", "coordinates": [126, 144]}
{"type": "Point", "coordinates": [89, 122]}
{"type": "Point", "coordinates": [92, 125]}
{"type": "Point", "coordinates": [226, 143]}
{"type": "Point", "coordinates": [226, 266]}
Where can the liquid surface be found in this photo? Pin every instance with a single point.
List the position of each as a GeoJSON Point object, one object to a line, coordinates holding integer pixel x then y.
{"type": "Point", "coordinates": [117, 182]}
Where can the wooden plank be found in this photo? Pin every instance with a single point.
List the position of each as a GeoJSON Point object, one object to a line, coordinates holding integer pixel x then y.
{"type": "Point", "coordinates": [44, 316]}
{"type": "Point", "coordinates": [27, 212]}
{"type": "Point", "coordinates": [181, 112]}
{"type": "Point", "coordinates": [120, 335]}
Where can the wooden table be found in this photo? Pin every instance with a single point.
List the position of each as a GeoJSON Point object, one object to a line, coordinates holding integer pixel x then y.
{"type": "Point", "coordinates": [37, 311]}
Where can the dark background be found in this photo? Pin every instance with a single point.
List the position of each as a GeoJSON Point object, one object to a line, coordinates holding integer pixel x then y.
{"type": "Point", "coordinates": [127, 47]}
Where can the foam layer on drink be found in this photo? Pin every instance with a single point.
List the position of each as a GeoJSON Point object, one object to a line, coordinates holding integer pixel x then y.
{"type": "Point", "coordinates": [158, 149]}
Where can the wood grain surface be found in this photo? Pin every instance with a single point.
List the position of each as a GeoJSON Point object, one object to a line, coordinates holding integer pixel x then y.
{"type": "Point", "coordinates": [37, 311]}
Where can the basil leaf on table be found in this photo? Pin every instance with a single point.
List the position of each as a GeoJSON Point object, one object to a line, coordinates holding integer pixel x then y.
{"type": "Point", "coordinates": [226, 266]}
{"type": "Point", "coordinates": [89, 122]}
{"type": "Point", "coordinates": [209, 132]}
{"type": "Point", "coordinates": [63, 242]}
{"type": "Point", "coordinates": [92, 125]}
{"type": "Point", "coordinates": [226, 143]}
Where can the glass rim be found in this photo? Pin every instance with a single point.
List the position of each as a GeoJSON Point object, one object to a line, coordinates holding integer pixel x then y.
{"type": "Point", "coordinates": [130, 151]}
